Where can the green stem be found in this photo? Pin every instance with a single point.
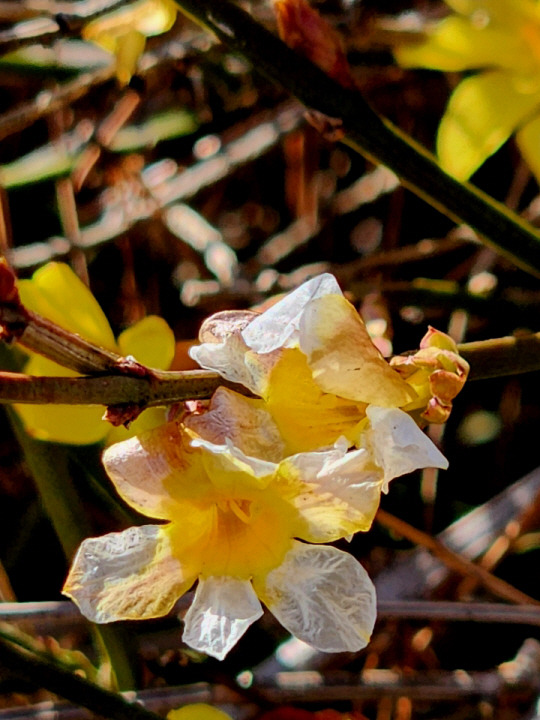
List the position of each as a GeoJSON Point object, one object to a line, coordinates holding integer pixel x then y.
{"type": "Point", "coordinates": [367, 133]}
{"type": "Point", "coordinates": [49, 675]}
{"type": "Point", "coordinates": [49, 466]}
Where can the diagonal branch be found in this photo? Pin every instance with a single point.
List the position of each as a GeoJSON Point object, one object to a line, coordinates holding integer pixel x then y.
{"type": "Point", "coordinates": [367, 133]}
{"type": "Point", "coordinates": [53, 677]}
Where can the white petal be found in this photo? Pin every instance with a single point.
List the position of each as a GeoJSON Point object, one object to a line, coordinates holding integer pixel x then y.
{"type": "Point", "coordinates": [342, 357]}
{"type": "Point", "coordinates": [278, 326]}
{"type": "Point", "coordinates": [398, 444]}
{"type": "Point", "coordinates": [226, 358]}
{"type": "Point", "coordinates": [323, 596]}
{"type": "Point", "coordinates": [128, 575]}
{"type": "Point", "coordinates": [222, 611]}
{"type": "Point", "coordinates": [243, 421]}
{"type": "Point", "coordinates": [339, 492]}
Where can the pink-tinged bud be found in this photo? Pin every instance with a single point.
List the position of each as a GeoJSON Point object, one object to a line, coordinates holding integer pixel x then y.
{"type": "Point", "coordinates": [436, 372]}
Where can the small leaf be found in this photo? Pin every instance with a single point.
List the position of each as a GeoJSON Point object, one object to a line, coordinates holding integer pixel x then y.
{"type": "Point", "coordinates": [165, 126]}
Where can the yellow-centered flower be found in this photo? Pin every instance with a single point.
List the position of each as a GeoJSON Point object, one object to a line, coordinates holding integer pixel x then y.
{"type": "Point", "coordinates": [501, 40]}
{"type": "Point", "coordinates": [234, 514]}
{"type": "Point", "coordinates": [59, 295]}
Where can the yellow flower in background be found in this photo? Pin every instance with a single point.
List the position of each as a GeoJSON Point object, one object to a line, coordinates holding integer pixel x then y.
{"type": "Point", "coordinates": [198, 711]}
{"type": "Point", "coordinates": [311, 360]}
{"type": "Point", "coordinates": [59, 295]}
{"type": "Point", "coordinates": [123, 32]}
{"type": "Point", "coordinates": [501, 40]}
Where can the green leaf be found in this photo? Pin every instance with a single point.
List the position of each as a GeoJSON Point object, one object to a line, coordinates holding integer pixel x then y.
{"type": "Point", "coordinates": [168, 125]}
{"type": "Point", "coordinates": [50, 161]}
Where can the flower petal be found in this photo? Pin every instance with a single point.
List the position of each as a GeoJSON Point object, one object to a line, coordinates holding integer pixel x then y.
{"type": "Point", "coordinates": [221, 612]}
{"type": "Point", "coordinates": [226, 358]}
{"type": "Point", "coordinates": [150, 341]}
{"type": "Point", "coordinates": [398, 444]}
{"type": "Point", "coordinates": [69, 424]}
{"type": "Point", "coordinates": [198, 711]}
{"type": "Point", "coordinates": [342, 357]}
{"type": "Point", "coordinates": [59, 295]}
{"type": "Point", "coordinates": [278, 326]}
{"type": "Point", "coordinates": [149, 419]}
{"type": "Point", "coordinates": [73, 424]}
{"type": "Point", "coordinates": [242, 421]}
{"type": "Point", "coordinates": [128, 48]}
{"type": "Point", "coordinates": [458, 43]}
{"type": "Point", "coordinates": [483, 111]}
{"type": "Point", "coordinates": [156, 471]}
{"type": "Point", "coordinates": [528, 140]}
{"type": "Point", "coordinates": [500, 10]}
{"type": "Point", "coordinates": [149, 17]}
{"type": "Point", "coordinates": [323, 596]}
{"type": "Point", "coordinates": [336, 493]}
{"type": "Point", "coordinates": [232, 471]}
{"type": "Point", "coordinates": [307, 418]}
{"type": "Point", "coordinates": [129, 575]}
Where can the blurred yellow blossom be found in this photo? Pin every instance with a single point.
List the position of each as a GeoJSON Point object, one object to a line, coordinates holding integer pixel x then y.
{"type": "Point", "coordinates": [501, 40]}
{"type": "Point", "coordinates": [59, 295]}
{"type": "Point", "coordinates": [123, 32]}
{"type": "Point", "coordinates": [198, 711]}
{"type": "Point", "coordinates": [312, 361]}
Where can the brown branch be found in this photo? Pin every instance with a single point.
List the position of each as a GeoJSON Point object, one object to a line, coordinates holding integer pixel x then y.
{"type": "Point", "coordinates": [48, 102]}
{"type": "Point", "coordinates": [154, 388]}
{"type": "Point", "coordinates": [454, 561]}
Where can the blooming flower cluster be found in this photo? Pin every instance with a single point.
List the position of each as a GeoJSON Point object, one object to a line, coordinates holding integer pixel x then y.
{"type": "Point", "coordinates": [249, 490]}
{"type": "Point", "coordinates": [500, 39]}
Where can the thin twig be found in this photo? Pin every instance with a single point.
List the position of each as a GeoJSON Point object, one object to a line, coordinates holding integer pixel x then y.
{"type": "Point", "coordinates": [266, 130]}
{"type": "Point", "coordinates": [456, 562]}
{"type": "Point", "coordinates": [46, 30]}
{"type": "Point", "coordinates": [56, 615]}
{"type": "Point", "coordinates": [49, 101]}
